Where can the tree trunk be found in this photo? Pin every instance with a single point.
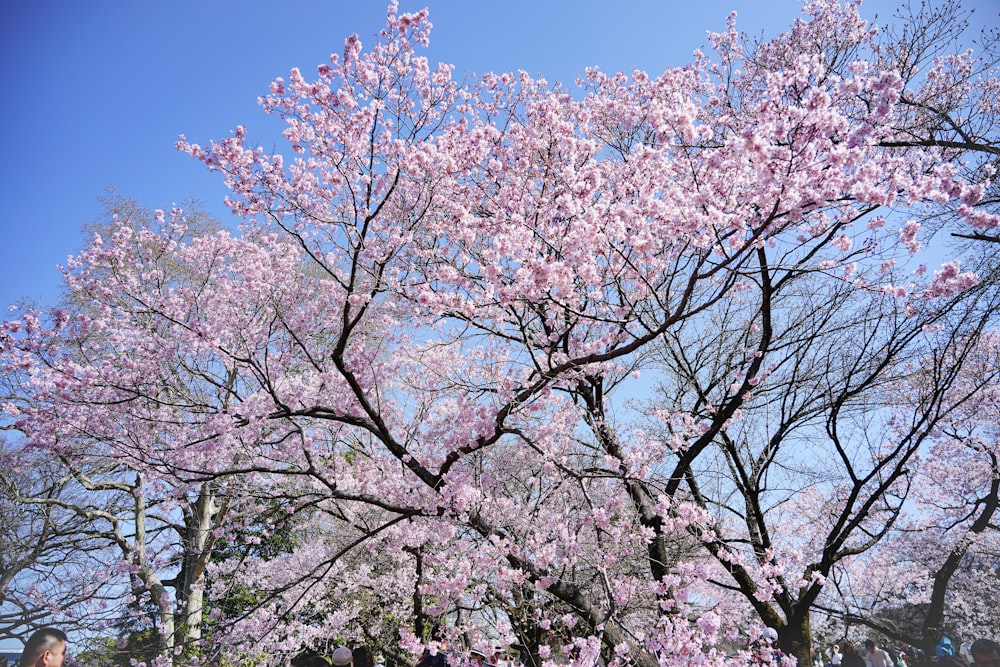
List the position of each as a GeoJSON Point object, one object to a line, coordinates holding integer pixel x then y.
{"type": "Point", "coordinates": [794, 639]}
{"type": "Point", "coordinates": [197, 552]}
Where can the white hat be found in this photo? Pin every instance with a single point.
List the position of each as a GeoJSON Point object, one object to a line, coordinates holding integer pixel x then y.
{"type": "Point", "coordinates": [769, 633]}
{"type": "Point", "coordinates": [342, 656]}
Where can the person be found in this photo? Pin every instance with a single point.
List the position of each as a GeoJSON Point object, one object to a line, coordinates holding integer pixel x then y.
{"type": "Point", "coordinates": [363, 657]}
{"type": "Point", "coordinates": [949, 661]}
{"type": "Point", "coordinates": [342, 657]}
{"type": "Point", "coordinates": [942, 645]}
{"type": "Point", "coordinates": [765, 649]}
{"type": "Point", "coordinates": [849, 656]}
{"type": "Point", "coordinates": [985, 653]}
{"type": "Point", "coordinates": [833, 656]}
{"type": "Point", "coordinates": [315, 661]}
{"type": "Point", "coordinates": [914, 655]}
{"type": "Point", "coordinates": [893, 654]}
{"type": "Point", "coordinates": [45, 648]}
{"type": "Point", "coordinates": [499, 656]}
{"type": "Point", "coordinates": [965, 651]}
{"type": "Point", "coordinates": [440, 657]}
{"type": "Point", "coordinates": [876, 657]}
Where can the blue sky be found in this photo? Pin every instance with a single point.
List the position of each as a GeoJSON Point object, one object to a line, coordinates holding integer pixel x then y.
{"type": "Point", "coordinates": [96, 93]}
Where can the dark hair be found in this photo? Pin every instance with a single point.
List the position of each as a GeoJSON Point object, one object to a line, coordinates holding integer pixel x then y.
{"type": "Point", "coordinates": [985, 647]}
{"type": "Point", "coordinates": [949, 661]}
{"type": "Point", "coordinates": [869, 643]}
{"type": "Point", "coordinates": [315, 661]}
{"type": "Point", "coordinates": [362, 657]}
{"type": "Point", "coordinates": [43, 640]}
{"type": "Point", "coordinates": [847, 648]}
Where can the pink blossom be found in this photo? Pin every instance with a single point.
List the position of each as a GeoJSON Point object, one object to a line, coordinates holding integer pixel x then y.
{"type": "Point", "coordinates": [908, 236]}
{"type": "Point", "coordinates": [843, 243]}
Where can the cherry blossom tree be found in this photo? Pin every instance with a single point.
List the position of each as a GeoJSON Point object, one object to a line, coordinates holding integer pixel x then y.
{"type": "Point", "coordinates": [947, 97]}
{"type": "Point", "coordinates": [52, 559]}
{"type": "Point", "coordinates": [155, 533]}
{"type": "Point", "coordinates": [935, 569]}
{"type": "Point", "coordinates": [422, 338]}
{"type": "Point", "coordinates": [814, 469]}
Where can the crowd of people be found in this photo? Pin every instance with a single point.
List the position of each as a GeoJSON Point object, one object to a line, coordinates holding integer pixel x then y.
{"type": "Point", "coordinates": [362, 657]}
{"type": "Point", "coordinates": [47, 648]}
{"type": "Point", "coordinates": [979, 653]}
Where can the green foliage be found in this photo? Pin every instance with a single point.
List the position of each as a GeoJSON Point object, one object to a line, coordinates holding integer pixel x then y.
{"type": "Point", "coordinates": [270, 534]}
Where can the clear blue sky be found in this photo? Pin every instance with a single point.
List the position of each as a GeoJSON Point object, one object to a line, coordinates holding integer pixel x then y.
{"type": "Point", "coordinates": [95, 93]}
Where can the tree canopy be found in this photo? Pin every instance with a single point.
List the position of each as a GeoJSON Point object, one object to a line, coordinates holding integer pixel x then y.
{"type": "Point", "coordinates": [414, 387]}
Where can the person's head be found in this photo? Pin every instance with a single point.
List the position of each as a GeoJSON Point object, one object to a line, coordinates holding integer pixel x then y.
{"type": "Point", "coordinates": [363, 657]}
{"type": "Point", "coordinates": [985, 653]}
{"type": "Point", "coordinates": [870, 645]}
{"type": "Point", "coordinates": [847, 648]}
{"type": "Point", "coordinates": [342, 657]}
{"type": "Point", "coordinates": [935, 633]}
{"type": "Point", "coordinates": [949, 661]}
{"type": "Point", "coordinates": [315, 661]}
{"type": "Point", "coordinates": [45, 648]}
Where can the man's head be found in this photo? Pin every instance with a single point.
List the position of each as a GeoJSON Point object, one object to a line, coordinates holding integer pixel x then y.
{"type": "Point", "coordinates": [315, 661]}
{"type": "Point", "coordinates": [985, 653]}
{"type": "Point", "coordinates": [948, 661]}
{"type": "Point", "coordinates": [342, 657]}
{"type": "Point", "coordinates": [870, 645]}
{"type": "Point", "coordinates": [45, 648]}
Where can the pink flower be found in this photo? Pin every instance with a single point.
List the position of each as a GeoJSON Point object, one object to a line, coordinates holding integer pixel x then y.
{"type": "Point", "coordinates": [843, 243]}
{"type": "Point", "coordinates": [908, 236]}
